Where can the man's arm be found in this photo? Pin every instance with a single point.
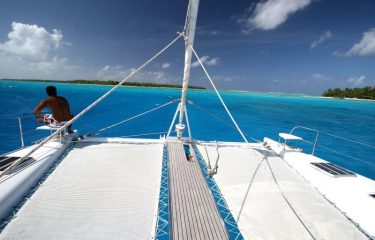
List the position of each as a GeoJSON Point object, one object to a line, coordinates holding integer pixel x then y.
{"type": "Point", "coordinates": [39, 108]}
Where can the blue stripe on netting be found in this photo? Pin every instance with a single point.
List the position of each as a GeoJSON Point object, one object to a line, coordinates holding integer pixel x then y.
{"type": "Point", "coordinates": [229, 221]}
{"type": "Point", "coordinates": [162, 224]}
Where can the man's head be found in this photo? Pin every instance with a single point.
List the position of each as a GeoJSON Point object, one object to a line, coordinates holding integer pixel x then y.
{"type": "Point", "coordinates": [51, 91]}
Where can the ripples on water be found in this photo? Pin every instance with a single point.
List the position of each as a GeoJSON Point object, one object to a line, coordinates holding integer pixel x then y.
{"type": "Point", "coordinates": [258, 114]}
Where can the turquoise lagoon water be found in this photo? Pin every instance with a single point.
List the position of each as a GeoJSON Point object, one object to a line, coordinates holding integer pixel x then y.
{"type": "Point", "coordinates": [258, 114]}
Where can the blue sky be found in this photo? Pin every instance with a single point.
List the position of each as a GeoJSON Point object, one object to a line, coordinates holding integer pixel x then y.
{"type": "Point", "coordinates": [298, 46]}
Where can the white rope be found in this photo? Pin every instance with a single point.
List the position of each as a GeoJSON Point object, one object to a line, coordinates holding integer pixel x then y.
{"type": "Point", "coordinates": [265, 158]}
{"type": "Point", "coordinates": [131, 118]}
{"type": "Point", "coordinates": [144, 134]}
{"type": "Point", "coordinates": [24, 133]}
{"type": "Point", "coordinates": [219, 119]}
{"type": "Point", "coordinates": [218, 94]}
{"type": "Point", "coordinates": [213, 171]}
{"type": "Point", "coordinates": [125, 136]}
{"type": "Point", "coordinates": [58, 131]}
{"type": "Point", "coordinates": [348, 156]}
{"type": "Point", "coordinates": [208, 157]}
{"type": "Point", "coordinates": [248, 189]}
{"type": "Point", "coordinates": [174, 119]}
{"type": "Point", "coordinates": [287, 201]}
{"type": "Point", "coordinates": [187, 122]}
{"type": "Point", "coordinates": [349, 140]}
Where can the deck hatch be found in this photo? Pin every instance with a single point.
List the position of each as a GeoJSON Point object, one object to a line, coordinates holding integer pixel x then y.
{"type": "Point", "coordinates": [333, 169]}
{"type": "Point", "coordinates": [6, 161]}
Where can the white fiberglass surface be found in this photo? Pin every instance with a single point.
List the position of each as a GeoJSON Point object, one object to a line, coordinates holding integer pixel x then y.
{"type": "Point", "coordinates": [349, 193]}
{"type": "Point", "coordinates": [99, 191]}
{"type": "Point", "coordinates": [266, 214]}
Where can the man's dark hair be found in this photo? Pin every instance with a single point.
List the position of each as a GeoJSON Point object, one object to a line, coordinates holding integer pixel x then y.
{"type": "Point", "coordinates": [51, 91]}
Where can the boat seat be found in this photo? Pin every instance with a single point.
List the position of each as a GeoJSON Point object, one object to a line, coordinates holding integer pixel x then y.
{"type": "Point", "coordinates": [51, 126]}
{"type": "Point", "coordinates": [287, 137]}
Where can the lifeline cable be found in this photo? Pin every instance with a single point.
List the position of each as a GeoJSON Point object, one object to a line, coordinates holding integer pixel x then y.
{"type": "Point", "coordinates": [349, 140]}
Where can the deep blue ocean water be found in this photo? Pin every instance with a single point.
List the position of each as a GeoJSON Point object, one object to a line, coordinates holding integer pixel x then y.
{"type": "Point", "coordinates": [258, 114]}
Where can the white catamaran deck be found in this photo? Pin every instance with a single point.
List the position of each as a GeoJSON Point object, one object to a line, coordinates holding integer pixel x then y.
{"type": "Point", "coordinates": [99, 191]}
{"type": "Point", "coordinates": [109, 189]}
{"type": "Point", "coordinates": [266, 214]}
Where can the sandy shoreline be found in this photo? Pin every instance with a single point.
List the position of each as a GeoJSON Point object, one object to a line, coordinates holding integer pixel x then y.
{"type": "Point", "coordinates": [354, 99]}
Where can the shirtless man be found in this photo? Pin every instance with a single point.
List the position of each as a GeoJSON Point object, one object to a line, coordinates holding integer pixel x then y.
{"type": "Point", "coordinates": [58, 105]}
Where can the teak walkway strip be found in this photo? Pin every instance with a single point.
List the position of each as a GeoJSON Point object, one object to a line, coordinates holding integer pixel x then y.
{"type": "Point", "coordinates": [193, 211]}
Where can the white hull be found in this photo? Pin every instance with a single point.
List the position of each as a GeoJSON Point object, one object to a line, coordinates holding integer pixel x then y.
{"type": "Point", "coordinates": [16, 185]}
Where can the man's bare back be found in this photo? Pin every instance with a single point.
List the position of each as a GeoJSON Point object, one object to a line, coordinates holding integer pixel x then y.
{"type": "Point", "coordinates": [58, 105]}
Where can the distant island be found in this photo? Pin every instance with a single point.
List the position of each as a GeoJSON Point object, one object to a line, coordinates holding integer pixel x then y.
{"type": "Point", "coordinates": [360, 93]}
{"type": "Point", "coordinates": [109, 82]}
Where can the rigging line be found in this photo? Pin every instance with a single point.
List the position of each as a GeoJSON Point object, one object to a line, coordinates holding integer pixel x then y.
{"type": "Point", "coordinates": [28, 115]}
{"type": "Point", "coordinates": [213, 171]}
{"type": "Point", "coordinates": [217, 92]}
{"type": "Point", "coordinates": [217, 118]}
{"type": "Point", "coordinates": [127, 136]}
{"type": "Point", "coordinates": [349, 140]}
{"type": "Point", "coordinates": [205, 149]}
{"type": "Point", "coordinates": [345, 155]}
{"type": "Point", "coordinates": [287, 201]}
{"type": "Point", "coordinates": [90, 106]}
{"type": "Point", "coordinates": [208, 157]}
{"type": "Point", "coordinates": [131, 118]}
{"type": "Point", "coordinates": [248, 189]}
{"type": "Point", "coordinates": [145, 134]}
{"type": "Point", "coordinates": [24, 133]}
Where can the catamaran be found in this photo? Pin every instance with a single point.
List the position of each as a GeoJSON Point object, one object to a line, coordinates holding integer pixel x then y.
{"type": "Point", "coordinates": [177, 187]}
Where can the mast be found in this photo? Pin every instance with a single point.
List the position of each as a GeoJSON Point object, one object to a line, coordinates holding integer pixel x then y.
{"type": "Point", "coordinates": [189, 33]}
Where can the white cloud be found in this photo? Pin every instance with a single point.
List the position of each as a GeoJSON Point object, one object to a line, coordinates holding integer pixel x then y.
{"type": "Point", "coordinates": [270, 14]}
{"type": "Point", "coordinates": [113, 72]}
{"type": "Point", "coordinates": [212, 61]}
{"type": "Point", "coordinates": [31, 52]}
{"type": "Point", "coordinates": [31, 41]}
{"type": "Point", "coordinates": [327, 35]}
{"type": "Point", "coordinates": [165, 65]}
{"type": "Point", "coordinates": [357, 81]}
{"type": "Point", "coordinates": [321, 77]}
{"type": "Point", "coordinates": [224, 78]}
{"type": "Point", "coordinates": [214, 33]}
{"type": "Point", "coordinates": [57, 68]}
{"type": "Point", "coordinates": [207, 60]}
{"type": "Point", "coordinates": [365, 47]}
{"type": "Point", "coordinates": [119, 73]}
{"type": "Point", "coordinates": [341, 81]}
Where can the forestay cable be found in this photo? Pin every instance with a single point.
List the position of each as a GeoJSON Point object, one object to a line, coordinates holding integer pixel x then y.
{"type": "Point", "coordinates": [131, 118]}
{"type": "Point", "coordinates": [58, 131]}
{"type": "Point", "coordinates": [217, 92]}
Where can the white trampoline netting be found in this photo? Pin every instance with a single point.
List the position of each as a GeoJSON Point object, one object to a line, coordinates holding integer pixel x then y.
{"type": "Point", "coordinates": [99, 191]}
{"type": "Point", "coordinates": [265, 213]}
